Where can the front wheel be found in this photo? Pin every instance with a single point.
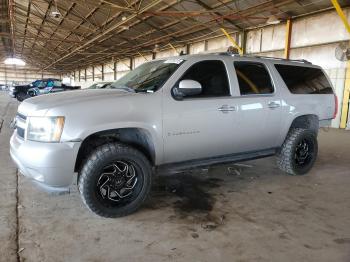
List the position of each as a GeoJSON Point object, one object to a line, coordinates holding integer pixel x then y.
{"type": "Point", "coordinates": [298, 152]}
{"type": "Point", "coordinates": [115, 180]}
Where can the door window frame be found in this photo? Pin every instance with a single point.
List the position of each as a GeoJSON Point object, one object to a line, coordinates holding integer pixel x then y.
{"type": "Point", "coordinates": [269, 71]}
{"type": "Point", "coordinates": [189, 66]}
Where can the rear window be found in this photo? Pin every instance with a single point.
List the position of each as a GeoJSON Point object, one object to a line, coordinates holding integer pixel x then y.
{"type": "Point", "coordinates": [253, 78]}
{"type": "Point", "coordinates": [304, 80]}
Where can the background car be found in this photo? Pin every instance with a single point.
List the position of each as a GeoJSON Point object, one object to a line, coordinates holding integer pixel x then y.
{"type": "Point", "coordinates": [39, 87]}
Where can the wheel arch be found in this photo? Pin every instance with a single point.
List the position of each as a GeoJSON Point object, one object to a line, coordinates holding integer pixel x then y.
{"type": "Point", "coordinates": [139, 138]}
{"type": "Point", "coordinates": [307, 121]}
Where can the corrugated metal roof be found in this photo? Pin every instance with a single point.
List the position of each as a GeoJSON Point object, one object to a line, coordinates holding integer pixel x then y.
{"type": "Point", "coordinates": [91, 31]}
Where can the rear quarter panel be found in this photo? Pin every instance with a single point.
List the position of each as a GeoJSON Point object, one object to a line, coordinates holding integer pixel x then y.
{"type": "Point", "coordinates": [295, 105]}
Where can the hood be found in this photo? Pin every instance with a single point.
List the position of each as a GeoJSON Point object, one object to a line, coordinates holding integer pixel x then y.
{"type": "Point", "coordinates": [39, 105]}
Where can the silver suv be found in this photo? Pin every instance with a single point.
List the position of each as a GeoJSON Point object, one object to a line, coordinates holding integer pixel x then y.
{"type": "Point", "coordinates": [172, 114]}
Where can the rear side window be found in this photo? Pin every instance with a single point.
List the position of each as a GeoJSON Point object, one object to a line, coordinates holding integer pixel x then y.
{"type": "Point", "coordinates": [253, 78]}
{"type": "Point", "coordinates": [304, 80]}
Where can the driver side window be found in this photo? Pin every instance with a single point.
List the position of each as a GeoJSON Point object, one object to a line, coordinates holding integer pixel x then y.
{"type": "Point", "coordinates": [42, 84]}
{"type": "Point", "coordinates": [212, 76]}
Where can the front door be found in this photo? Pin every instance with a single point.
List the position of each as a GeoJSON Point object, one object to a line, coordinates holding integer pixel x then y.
{"type": "Point", "coordinates": [203, 125]}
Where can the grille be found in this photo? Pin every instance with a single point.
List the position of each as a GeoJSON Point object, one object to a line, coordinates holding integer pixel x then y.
{"type": "Point", "coordinates": [20, 124]}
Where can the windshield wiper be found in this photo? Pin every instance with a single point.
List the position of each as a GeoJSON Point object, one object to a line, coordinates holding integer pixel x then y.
{"type": "Point", "coordinates": [126, 88]}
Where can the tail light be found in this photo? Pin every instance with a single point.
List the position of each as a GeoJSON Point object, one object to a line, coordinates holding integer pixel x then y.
{"type": "Point", "coordinates": [335, 107]}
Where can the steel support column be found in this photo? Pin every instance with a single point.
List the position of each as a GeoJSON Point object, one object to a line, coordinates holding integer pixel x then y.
{"type": "Point", "coordinates": [345, 104]}
{"type": "Point", "coordinates": [131, 64]}
{"type": "Point", "coordinates": [93, 73]}
{"type": "Point", "coordinates": [234, 43]}
{"type": "Point", "coordinates": [115, 70]}
{"type": "Point", "coordinates": [188, 49]}
{"type": "Point", "coordinates": [244, 41]}
{"type": "Point", "coordinates": [288, 39]}
{"type": "Point", "coordinates": [346, 94]}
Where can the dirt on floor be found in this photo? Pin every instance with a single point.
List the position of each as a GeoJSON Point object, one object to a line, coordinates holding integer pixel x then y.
{"type": "Point", "coordinates": [249, 211]}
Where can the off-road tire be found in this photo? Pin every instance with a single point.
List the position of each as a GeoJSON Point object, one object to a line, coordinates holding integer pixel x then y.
{"type": "Point", "coordinates": [91, 171]}
{"type": "Point", "coordinates": [286, 155]}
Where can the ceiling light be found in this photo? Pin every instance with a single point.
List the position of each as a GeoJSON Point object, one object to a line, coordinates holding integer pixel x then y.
{"type": "Point", "coordinates": [14, 61]}
{"type": "Point", "coordinates": [56, 14]}
{"type": "Point", "coordinates": [273, 20]}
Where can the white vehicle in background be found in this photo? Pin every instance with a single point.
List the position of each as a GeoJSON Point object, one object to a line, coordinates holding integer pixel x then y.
{"type": "Point", "coordinates": [4, 87]}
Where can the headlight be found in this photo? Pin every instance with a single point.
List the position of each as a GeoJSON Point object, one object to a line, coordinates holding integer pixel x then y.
{"type": "Point", "coordinates": [45, 129]}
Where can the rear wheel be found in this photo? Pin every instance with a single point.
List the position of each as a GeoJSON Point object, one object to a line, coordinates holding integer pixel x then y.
{"type": "Point", "coordinates": [298, 152]}
{"type": "Point", "coordinates": [115, 180]}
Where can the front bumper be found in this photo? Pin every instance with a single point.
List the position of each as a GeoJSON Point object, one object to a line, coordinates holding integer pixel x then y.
{"type": "Point", "coordinates": [51, 165]}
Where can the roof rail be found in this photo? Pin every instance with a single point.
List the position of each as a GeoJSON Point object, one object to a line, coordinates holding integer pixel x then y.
{"type": "Point", "coordinates": [284, 59]}
{"type": "Point", "coordinates": [304, 61]}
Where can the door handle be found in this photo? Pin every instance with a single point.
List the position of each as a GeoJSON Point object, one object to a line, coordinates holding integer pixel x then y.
{"type": "Point", "coordinates": [226, 108]}
{"type": "Point", "coordinates": [273, 104]}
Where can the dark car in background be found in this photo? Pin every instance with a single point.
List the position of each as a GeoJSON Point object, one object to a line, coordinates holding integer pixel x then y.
{"type": "Point", "coordinates": [39, 87]}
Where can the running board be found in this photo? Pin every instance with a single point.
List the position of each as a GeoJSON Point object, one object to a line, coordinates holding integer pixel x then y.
{"type": "Point", "coordinates": [207, 162]}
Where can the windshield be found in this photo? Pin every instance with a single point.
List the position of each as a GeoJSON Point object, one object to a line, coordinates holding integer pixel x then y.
{"type": "Point", "coordinates": [149, 76]}
{"type": "Point", "coordinates": [35, 83]}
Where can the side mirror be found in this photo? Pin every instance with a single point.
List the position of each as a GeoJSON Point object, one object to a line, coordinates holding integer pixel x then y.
{"type": "Point", "coordinates": [187, 88]}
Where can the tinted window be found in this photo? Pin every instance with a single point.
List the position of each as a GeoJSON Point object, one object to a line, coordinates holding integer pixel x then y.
{"type": "Point", "coordinates": [212, 76]}
{"type": "Point", "coordinates": [42, 84]}
{"type": "Point", "coordinates": [253, 78]}
{"type": "Point", "coordinates": [50, 83]}
{"type": "Point", "coordinates": [57, 83]}
{"type": "Point", "coordinates": [304, 80]}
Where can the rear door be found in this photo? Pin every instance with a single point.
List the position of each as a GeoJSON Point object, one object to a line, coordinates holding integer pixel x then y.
{"type": "Point", "coordinates": [259, 106]}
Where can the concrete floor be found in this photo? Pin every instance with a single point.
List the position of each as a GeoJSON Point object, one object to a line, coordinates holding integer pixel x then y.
{"type": "Point", "coordinates": [249, 212]}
